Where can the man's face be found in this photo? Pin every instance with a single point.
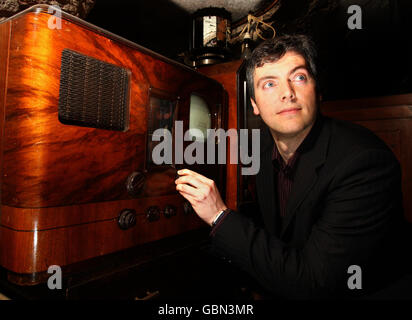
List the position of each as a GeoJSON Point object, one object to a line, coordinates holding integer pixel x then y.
{"type": "Point", "coordinates": [285, 95]}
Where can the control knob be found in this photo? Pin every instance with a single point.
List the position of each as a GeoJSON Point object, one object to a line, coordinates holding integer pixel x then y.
{"type": "Point", "coordinates": [169, 211]}
{"type": "Point", "coordinates": [153, 213]}
{"type": "Point", "coordinates": [135, 183]}
{"type": "Point", "coordinates": [187, 207]}
{"type": "Point", "coordinates": [126, 219]}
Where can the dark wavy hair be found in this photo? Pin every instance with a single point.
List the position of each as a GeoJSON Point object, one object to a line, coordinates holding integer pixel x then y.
{"type": "Point", "coordinates": [274, 49]}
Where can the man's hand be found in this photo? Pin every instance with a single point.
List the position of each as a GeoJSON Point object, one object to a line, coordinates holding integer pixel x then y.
{"type": "Point", "coordinates": [202, 194]}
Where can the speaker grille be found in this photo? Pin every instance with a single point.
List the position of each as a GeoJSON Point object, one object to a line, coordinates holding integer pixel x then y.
{"type": "Point", "coordinates": [93, 93]}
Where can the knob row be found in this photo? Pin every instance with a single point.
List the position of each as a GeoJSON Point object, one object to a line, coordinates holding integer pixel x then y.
{"type": "Point", "coordinates": [127, 217]}
{"type": "Point", "coordinates": [153, 213]}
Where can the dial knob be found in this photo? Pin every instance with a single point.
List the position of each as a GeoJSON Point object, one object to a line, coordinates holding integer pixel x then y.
{"type": "Point", "coordinates": [169, 211]}
{"type": "Point", "coordinates": [153, 213]}
{"type": "Point", "coordinates": [135, 183]}
{"type": "Point", "coordinates": [187, 208]}
{"type": "Point", "coordinates": [126, 219]}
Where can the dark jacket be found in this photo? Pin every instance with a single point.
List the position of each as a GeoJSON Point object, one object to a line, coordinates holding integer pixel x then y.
{"type": "Point", "coordinates": [345, 209]}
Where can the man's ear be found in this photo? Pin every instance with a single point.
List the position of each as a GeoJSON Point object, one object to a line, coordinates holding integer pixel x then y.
{"type": "Point", "coordinates": [255, 108]}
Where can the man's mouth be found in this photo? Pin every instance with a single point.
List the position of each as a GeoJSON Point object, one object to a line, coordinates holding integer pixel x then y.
{"type": "Point", "coordinates": [289, 111]}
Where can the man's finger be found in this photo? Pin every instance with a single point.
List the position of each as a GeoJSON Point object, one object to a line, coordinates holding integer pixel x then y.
{"type": "Point", "coordinates": [188, 189]}
{"type": "Point", "coordinates": [191, 180]}
{"type": "Point", "coordinates": [187, 172]}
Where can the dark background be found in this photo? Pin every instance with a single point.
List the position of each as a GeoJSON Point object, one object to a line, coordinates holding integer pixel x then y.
{"type": "Point", "coordinates": [373, 61]}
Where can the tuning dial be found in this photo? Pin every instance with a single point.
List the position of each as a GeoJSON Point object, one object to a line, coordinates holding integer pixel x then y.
{"type": "Point", "coordinates": [169, 211]}
{"type": "Point", "coordinates": [135, 183]}
{"type": "Point", "coordinates": [187, 208]}
{"type": "Point", "coordinates": [153, 213]}
{"type": "Point", "coordinates": [126, 219]}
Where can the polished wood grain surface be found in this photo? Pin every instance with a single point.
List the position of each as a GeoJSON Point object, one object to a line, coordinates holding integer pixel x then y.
{"type": "Point", "coordinates": [370, 102]}
{"type": "Point", "coordinates": [226, 74]}
{"type": "Point", "coordinates": [42, 155]}
{"type": "Point", "coordinates": [390, 118]}
{"type": "Point", "coordinates": [42, 237]}
{"type": "Point", "coordinates": [63, 186]}
{"type": "Point", "coordinates": [4, 59]}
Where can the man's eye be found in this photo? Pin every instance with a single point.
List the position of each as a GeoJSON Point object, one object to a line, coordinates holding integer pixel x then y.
{"type": "Point", "coordinates": [300, 77]}
{"type": "Point", "coordinates": [269, 84]}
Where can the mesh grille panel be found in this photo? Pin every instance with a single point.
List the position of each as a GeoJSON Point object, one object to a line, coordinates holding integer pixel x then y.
{"type": "Point", "coordinates": [93, 93]}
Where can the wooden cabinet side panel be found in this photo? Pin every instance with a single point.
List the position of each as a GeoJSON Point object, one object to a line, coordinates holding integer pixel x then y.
{"type": "Point", "coordinates": [226, 74]}
{"type": "Point", "coordinates": [4, 61]}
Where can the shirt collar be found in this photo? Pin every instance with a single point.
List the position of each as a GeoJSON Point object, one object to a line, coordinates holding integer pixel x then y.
{"type": "Point", "coordinates": [307, 144]}
{"type": "Point", "coordinates": [280, 165]}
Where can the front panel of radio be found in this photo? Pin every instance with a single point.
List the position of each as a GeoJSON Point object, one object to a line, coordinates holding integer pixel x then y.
{"type": "Point", "coordinates": [91, 137]}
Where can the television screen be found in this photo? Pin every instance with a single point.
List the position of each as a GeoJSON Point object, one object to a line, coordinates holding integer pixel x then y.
{"type": "Point", "coordinates": [199, 118]}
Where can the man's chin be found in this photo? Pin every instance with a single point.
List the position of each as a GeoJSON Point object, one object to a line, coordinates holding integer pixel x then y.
{"type": "Point", "coordinates": [289, 132]}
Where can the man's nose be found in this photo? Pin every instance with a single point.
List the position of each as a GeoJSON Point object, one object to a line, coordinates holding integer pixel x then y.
{"type": "Point", "coordinates": [287, 93]}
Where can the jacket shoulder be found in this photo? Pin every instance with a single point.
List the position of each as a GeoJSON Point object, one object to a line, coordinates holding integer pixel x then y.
{"type": "Point", "coordinates": [351, 138]}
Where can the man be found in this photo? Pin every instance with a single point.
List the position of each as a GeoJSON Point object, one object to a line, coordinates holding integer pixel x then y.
{"type": "Point", "coordinates": [334, 204]}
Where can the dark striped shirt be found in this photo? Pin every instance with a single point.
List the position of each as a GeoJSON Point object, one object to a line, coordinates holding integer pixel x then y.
{"type": "Point", "coordinates": [284, 173]}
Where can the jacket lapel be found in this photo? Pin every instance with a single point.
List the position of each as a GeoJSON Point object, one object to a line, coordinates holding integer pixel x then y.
{"type": "Point", "coordinates": [306, 172]}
